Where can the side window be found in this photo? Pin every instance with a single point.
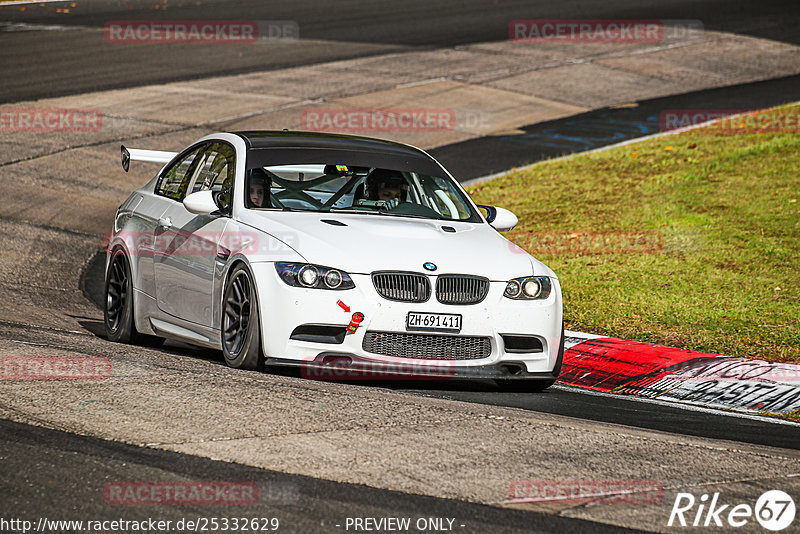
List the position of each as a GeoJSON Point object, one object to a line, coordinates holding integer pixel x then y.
{"type": "Point", "coordinates": [175, 181]}
{"type": "Point", "coordinates": [218, 168]}
{"type": "Point", "coordinates": [216, 172]}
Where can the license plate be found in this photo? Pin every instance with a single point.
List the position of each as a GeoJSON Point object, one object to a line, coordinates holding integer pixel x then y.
{"type": "Point", "coordinates": [441, 322]}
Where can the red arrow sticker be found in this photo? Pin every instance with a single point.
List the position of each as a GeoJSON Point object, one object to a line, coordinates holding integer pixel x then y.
{"type": "Point", "coordinates": [343, 306]}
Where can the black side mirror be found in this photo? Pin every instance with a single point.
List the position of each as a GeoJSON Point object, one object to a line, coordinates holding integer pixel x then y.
{"type": "Point", "coordinates": [223, 201]}
{"type": "Point", "coordinates": [490, 212]}
{"type": "Point", "coordinates": [126, 158]}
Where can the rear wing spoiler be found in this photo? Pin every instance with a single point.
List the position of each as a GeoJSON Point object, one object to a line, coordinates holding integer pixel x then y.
{"type": "Point", "coordinates": [152, 156]}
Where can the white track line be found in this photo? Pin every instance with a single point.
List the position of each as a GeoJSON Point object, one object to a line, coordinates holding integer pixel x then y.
{"type": "Point", "coordinates": [12, 27]}
{"type": "Point", "coordinates": [30, 2]}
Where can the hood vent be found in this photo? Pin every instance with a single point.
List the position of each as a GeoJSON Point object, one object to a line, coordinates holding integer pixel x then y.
{"type": "Point", "coordinates": [333, 222]}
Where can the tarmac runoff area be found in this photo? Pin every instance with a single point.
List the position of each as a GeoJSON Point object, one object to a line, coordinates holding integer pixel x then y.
{"type": "Point", "coordinates": [60, 192]}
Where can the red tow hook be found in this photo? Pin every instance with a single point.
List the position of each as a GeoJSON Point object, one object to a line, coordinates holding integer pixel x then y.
{"type": "Point", "coordinates": [354, 322]}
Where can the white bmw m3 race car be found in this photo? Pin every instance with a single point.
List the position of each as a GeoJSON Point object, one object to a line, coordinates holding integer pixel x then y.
{"type": "Point", "coordinates": [320, 251]}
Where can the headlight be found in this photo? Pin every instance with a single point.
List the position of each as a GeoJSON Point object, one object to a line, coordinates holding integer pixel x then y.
{"type": "Point", "coordinates": [308, 276]}
{"type": "Point", "coordinates": [333, 279]}
{"type": "Point", "coordinates": [313, 276]}
{"type": "Point", "coordinates": [513, 289]}
{"type": "Point", "coordinates": [528, 288]}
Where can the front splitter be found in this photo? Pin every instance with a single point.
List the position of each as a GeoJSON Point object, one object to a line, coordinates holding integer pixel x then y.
{"type": "Point", "coordinates": [347, 366]}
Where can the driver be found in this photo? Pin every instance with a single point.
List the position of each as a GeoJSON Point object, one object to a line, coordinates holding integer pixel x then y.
{"type": "Point", "coordinates": [387, 185]}
{"type": "Point", "coordinates": [257, 188]}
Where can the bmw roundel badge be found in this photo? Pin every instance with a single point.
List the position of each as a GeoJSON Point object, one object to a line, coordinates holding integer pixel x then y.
{"type": "Point", "coordinates": [430, 266]}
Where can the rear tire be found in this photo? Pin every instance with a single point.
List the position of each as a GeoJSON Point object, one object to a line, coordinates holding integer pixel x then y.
{"type": "Point", "coordinates": [523, 385]}
{"type": "Point", "coordinates": [118, 310]}
{"type": "Point", "coordinates": [241, 327]}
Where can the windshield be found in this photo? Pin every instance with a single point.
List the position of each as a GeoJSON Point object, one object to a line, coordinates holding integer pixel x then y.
{"type": "Point", "coordinates": [366, 190]}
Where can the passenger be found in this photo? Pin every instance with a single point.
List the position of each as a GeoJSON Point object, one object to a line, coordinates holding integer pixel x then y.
{"type": "Point", "coordinates": [257, 188]}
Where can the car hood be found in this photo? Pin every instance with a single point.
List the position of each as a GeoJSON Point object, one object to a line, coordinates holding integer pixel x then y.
{"type": "Point", "coordinates": [362, 244]}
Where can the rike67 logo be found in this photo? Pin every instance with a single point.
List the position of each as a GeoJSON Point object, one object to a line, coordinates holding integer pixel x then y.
{"type": "Point", "coordinates": [774, 510]}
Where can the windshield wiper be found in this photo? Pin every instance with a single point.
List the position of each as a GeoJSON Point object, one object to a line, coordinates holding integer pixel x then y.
{"type": "Point", "coordinates": [385, 214]}
{"type": "Point", "coordinates": [409, 215]}
{"type": "Point", "coordinates": [293, 209]}
{"type": "Point", "coordinates": [351, 210]}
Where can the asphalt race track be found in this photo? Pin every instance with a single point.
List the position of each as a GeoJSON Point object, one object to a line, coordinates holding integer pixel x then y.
{"type": "Point", "coordinates": [78, 63]}
{"type": "Point", "coordinates": [607, 408]}
{"type": "Point", "coordinates": [301, 504]}
{"type": "Point", "coordinates": [324, 451]}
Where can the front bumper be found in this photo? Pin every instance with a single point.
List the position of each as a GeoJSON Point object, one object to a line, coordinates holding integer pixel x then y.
{"type": "Point", "coordinates": [283, 308]}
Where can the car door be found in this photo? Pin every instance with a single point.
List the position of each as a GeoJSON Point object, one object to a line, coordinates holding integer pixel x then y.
{"type": "Point", "coordinates": [149, 212]}
{"type": "Point", "coordinates": [186, 255]}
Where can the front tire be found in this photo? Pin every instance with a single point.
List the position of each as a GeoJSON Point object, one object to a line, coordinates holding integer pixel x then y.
{"type": "Point", "coordinates": [118, 310]}
{"type": "Point", "coordinates": [241, 327]}
{"type": "Point", "coordinates": [535, 386]}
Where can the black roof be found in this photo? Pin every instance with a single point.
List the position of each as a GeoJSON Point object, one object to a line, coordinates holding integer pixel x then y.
{"type": "Point", "coordinates": [289, 139]}
{"type": "Point", "coordinates": [278, 147]}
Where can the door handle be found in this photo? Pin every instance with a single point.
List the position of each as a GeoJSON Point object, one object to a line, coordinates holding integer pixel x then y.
{"type": "Point", "coordinates": [165, 222]}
